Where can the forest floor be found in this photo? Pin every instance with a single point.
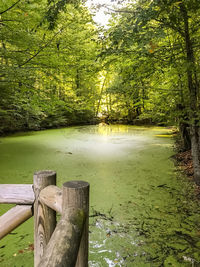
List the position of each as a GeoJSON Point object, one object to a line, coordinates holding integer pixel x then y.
{"type": "Point", "coordinates": [184, 160]}
{"type": "Point", "coordinates": [185, 164]}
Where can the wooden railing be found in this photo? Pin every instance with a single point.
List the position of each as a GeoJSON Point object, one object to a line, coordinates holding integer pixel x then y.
{"type": "Point", "coordinates": [55, 244]}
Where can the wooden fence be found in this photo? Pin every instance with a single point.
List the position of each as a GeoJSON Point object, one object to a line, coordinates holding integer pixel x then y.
{"type": "Point", "coordinates": [55, 244]}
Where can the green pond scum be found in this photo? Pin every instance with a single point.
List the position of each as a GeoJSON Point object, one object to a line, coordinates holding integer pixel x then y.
{"type": "Point", "coordinates": [143, 212]}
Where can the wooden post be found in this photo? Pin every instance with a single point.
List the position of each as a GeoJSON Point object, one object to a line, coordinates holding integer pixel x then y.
{"type": "Point", "coordinates": [63, 247]}
{"type": "Point", "coordinates": [44, 217]}
{"type": "Point", "coordinates": [17, 194]}
{"type": "Point", "coordinates": [76, 196]}
{"type": "Point", "coordinates": [52, 197]}
{"type": "Point", "coordinates": [13, 218]}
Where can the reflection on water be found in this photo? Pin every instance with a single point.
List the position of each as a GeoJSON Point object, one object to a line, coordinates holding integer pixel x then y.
{"type": "Point", "coordinates": [142, 213]}
{"type": "Point", "coordinates": [107, 130]}
{"type": "Point", "coordinates": [104, 129]}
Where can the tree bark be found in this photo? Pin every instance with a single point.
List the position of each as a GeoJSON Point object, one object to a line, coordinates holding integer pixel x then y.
{"type": "Point", "coordinates": [194, 133]}
{"type": "Point", "coordinates": [185, 136]}
{"type": "Point", "coordinates": [193, 92]}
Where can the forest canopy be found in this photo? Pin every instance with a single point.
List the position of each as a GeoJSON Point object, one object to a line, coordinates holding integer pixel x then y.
{"type": "Point", "coordinates": [48, 71]}
{"type": "Point", "coordinates": [59, 68]}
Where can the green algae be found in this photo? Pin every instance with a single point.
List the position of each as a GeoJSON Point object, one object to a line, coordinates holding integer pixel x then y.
{"type": "Point", "coordinates": [143, 212]}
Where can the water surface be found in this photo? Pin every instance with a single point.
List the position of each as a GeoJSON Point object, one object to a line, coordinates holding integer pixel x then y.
{"type": "Point", "coordinates": [142, 210]}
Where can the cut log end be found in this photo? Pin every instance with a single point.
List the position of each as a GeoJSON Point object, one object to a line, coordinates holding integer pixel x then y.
{"type": "Point", "coordinates": [45, 173]}
{"type": "Point", "coordinates": [76, 184]}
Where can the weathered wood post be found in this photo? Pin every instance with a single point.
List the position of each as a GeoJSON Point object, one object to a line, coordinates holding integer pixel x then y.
{"type": "Point", "coordinates": [44, 217]}
{"type": "Point", "coordinates": [68, 245]}
{"type": "Point", "coordinates": [13, 218]}
{"type": "Point", "coordinates": [76, 195]}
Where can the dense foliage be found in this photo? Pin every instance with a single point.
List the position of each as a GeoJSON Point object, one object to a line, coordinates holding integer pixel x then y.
{"type": "Point", "coordinates": [148, 53]}
{"type": "Point", "coordinates": [57, 69]}
{"type": "Point", "coordinates": [154, 46]}
{"type": "Point", "coordinates": [48, 69]}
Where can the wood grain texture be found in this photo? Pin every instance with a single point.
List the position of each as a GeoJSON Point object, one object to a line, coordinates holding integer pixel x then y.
{"type": "Point", "coordinates": [16, 194]}
{"type": "Point", "coordinates": [44, 217]}
{"type": "Point", "coordinates": [13, 218]}
{"type": "Point", "coordinates": [62, 249]}
{"type": "Point", "coordinates": [76, 195]}
{"type": "Point", "coordinates": [51, 196]}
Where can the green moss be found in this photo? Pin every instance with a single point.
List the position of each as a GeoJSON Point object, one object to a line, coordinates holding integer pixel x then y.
{"type": "Point", "coordinates": [142, 210]}
{"type": "Point", "coordinates": [79, 219]}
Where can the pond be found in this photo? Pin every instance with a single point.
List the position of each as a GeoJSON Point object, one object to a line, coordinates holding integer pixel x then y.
{"type": "Point", "coordinates": [143, 212]}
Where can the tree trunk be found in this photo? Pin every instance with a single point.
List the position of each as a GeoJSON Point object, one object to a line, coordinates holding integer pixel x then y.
{"type": "Point", "coordinates": [193, 92]}
{"type": "Point", "coordinates": [100, 95]}
{"type": "Point", "coordinates": [185, 136]}
{"type": "Point", "coordinates": [194, 133]}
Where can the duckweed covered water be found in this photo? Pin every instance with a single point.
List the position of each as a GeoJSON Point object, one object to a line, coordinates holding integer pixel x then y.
{"type": "Point", "coordinates": [142, 211]}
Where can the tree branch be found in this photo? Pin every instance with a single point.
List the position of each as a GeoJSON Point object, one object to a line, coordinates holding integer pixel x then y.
{"type": "Point", "coordinates": [170, 25]}
{"type": "Point", "coordinates": [41, 48]}
{"type": "Point", "coordinates": [15, 20]}
{"type": "Point", "coordinates": [120, 10]}
{"type": "Point", "coordinates": [117, 10]}
{"type": "Point", "coordinates": [10, 7]}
